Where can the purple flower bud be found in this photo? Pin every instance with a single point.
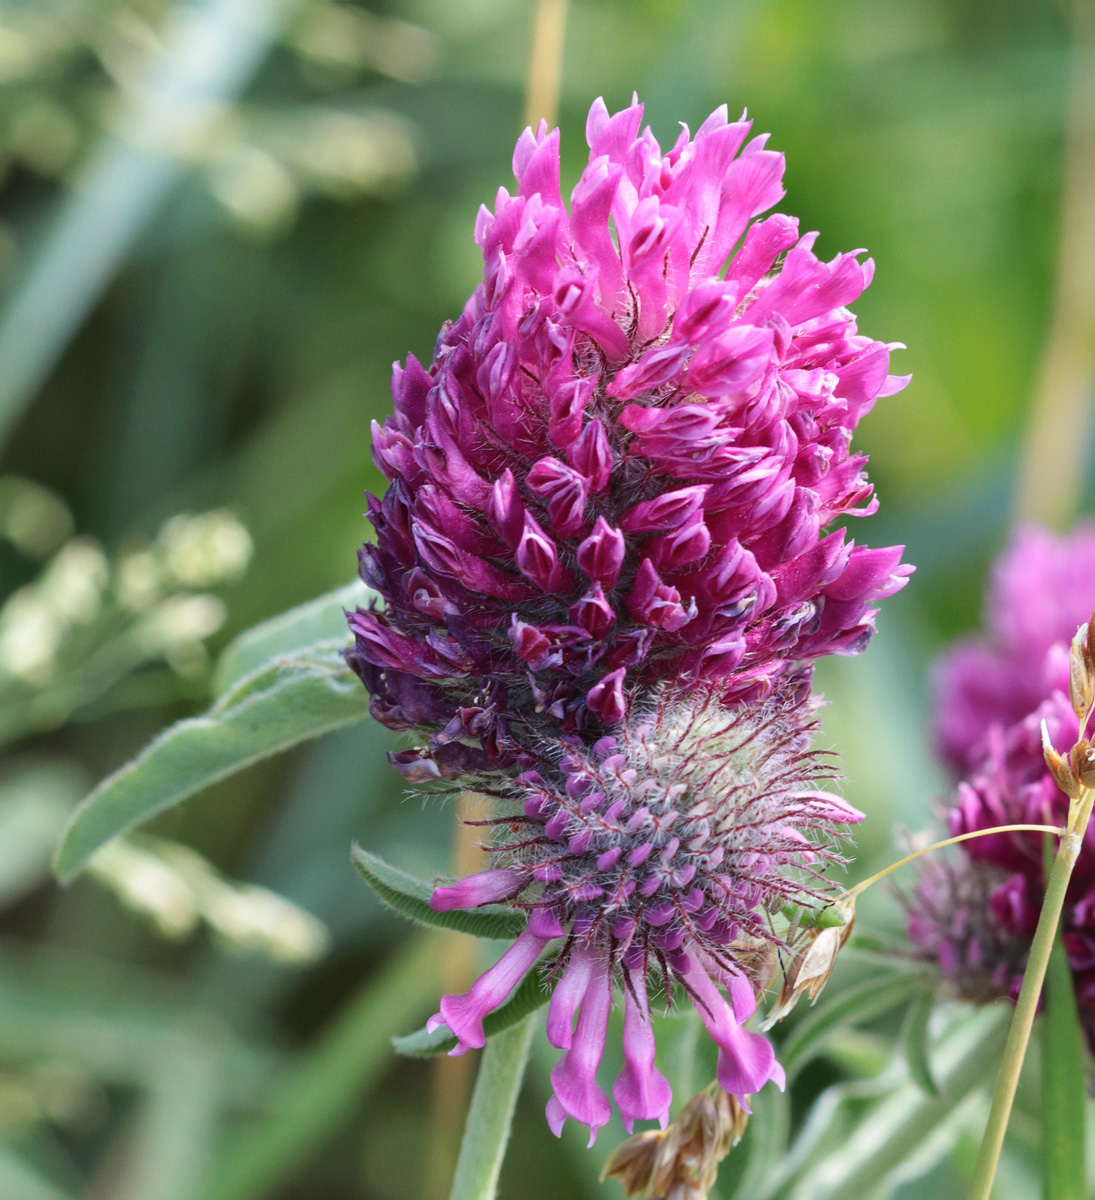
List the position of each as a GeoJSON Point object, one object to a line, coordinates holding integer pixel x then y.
{"type": "Point", "coordinates": [505, 512]}
{"type": "Point", "coordinates": [601, 555]}
{"type": "Point", "coordinates": [606, 699]}
{"type": "Point", "coordinates": [565, 492]}
{"type": "Point", "coordinates": [591, 454]}
{"type": "Point", "coordinates": [593, 612]}
{"type": "Point", "coordinates": [538, 559]}
{"type": "Point", "coordinates": [488, 887]}
{"type": "Point", "coordinates": [656, 603]}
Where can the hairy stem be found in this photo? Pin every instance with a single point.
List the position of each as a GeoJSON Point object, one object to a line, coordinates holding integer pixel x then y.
{"type": "Point", "coordinates": [487, 1130]}
{"type": "Point", "coordinates": [1027, 1005]}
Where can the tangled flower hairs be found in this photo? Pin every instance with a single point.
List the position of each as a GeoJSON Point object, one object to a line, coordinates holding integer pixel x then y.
{"type": "Point", "coordinates": [606, 562]}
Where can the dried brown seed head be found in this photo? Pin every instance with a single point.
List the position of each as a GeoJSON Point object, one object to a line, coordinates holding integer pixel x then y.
{"type": "Point", "coordinates": [1081, 681]}
{"type": "Point", "coordinates": [681, 1163]}
{"type": "Point", "coordinates": [1082, 759]}
{"type": "Point", "coordinates": [633, 1162]}
{"type": "Point", "coordinates": [1060, 767]}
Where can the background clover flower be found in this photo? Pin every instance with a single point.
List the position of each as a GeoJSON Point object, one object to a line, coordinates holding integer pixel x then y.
{"type": "Point", "coordinates": [975, 916]}
{"type": "Point", "coordinates": [622, 462]}
{"type": "Point", "coordinates": [1042, 587]}
{"type": "Point", "coordinates": [656, 859]}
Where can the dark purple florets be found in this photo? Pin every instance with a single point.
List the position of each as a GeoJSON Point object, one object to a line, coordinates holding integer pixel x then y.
{"type": "Point", "coordinates": [621, 464]}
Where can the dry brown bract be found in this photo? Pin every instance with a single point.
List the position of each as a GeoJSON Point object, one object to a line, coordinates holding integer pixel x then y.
{"type": "Point", "coordinates": [682, 1161]}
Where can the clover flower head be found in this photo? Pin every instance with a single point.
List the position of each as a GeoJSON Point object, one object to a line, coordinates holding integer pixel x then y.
{"type": "Point", "coordinates": [624, 462]}
{"type": "Point", "coordinates": [974, 915]}
{"type": "Point", "coordinates": [964, 920]}
{"type": "Point", "coordinates": [1042, 587]}
{"type": "Point", "coordinates": [654, 860]}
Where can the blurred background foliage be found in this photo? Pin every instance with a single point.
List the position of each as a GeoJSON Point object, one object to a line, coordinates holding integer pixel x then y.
{"type": "Point", "coordinates": [220, 221]}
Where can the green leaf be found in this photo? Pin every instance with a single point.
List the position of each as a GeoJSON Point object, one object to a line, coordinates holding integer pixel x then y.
{"type": "Point", "coordinates": [35, 802]}
{"type": "Point", "coordinates": [863, 1003]}
{"type": "Point", "coordinates": [411, 898]}
{"type": "Point", "coordinates": [115, 1023]}
{"type": "Point", "coordinates": [914, 1039]}
{"type": "Point", "coordinates": [320, 1090]}
{"type": "Point", "coordinates": [763, 1145]}
{"type": "Point", "coordinates": [205, 56]}
{"type": "Point", "coordinates": [268, 711]}
{"type": "Point", "coordinates": [21, 1180]}
{"type": "Point", "coordinates": [851, 1156]}
{"type": "Point", "coordinates": [1064, 1096]}
{"type": "Point", "coordinates": [321, 620]}
{"type": "Point", "coordinates": [529, 996]}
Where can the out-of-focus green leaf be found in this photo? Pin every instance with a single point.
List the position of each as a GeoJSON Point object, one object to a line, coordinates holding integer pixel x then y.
{"type": "Point", "coordinates": [321, 620]}
{"type": "Point", "coordinates": [317, 1094]}
{"type": "Point", "coordinates": [276, 707]}
{"type": "Point", "coordinates": [20, 1181]}
{"type": "Point", "coordinates": [35, 803]}
{"type": "Point", "coordinates": [529, 996]}
{"type": "Point", "coordinates": [906, 1132]}
{"type": "Point", "coordinates": [411, 898]}
{"type": "Point", "coordinates": [870, 999]}
{"type": "Point", "coordinates": [914, 1038]}
{"type": "Point", "coordinates": [208, 53]}
{"type": "Point", "coordinates": [177, 1119]}
{"type": "Point", "coordinates": [1064, 1095]}
{"type": "Point", "coordinates": [764, 1142]}
{"type": "Point", "coordinates": [115, 1024]}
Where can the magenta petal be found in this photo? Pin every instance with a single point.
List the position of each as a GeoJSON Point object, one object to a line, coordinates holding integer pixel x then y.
{"type": "Point", "coordinates": [567, 997]}
{"type": "Point", "coordinates": [835, 808]}
{"type": "Point", "coordinates": [464, 1014]}
{"type": "Point", "coordinates": [485, 887]}
{"type": "Point", "coordinates": [746, 1060]}
{"type": "Point", "coordinates": [641, 1092]}
{"type": "Point", "coordinates": [574, 1077]}
{"type": "Point", "coordinates": [556, 1116]}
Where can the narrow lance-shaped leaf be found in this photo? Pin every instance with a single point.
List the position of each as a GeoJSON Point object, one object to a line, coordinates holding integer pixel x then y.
{"type": "Point", "coordinates": [268, 711]}
{"type": "Point", "coordinates": [865, 1002]}
{"type": "Point", "coordinates": [317, 621]}
{"type": "Point", "coordinates": [914, 1038]}
{"type": "Point", "coordinates": [411, 898]}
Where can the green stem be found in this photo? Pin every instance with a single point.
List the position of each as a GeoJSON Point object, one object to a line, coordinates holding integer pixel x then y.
{"type": "Point", "coordinates": [1027, 1005]}
{"type": "Point", "coordinates": [491, 1114]}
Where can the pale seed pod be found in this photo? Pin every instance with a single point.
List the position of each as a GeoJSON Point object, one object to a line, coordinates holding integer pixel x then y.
{"type": "Point", "coordinates": [682, 1162]}
{"type": "Point", "coordinates": [1059, 767]}
{"type": "Point", "coordinates": [814, 956]}
{"type": "Point", "coordinates": [1081, 681]}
